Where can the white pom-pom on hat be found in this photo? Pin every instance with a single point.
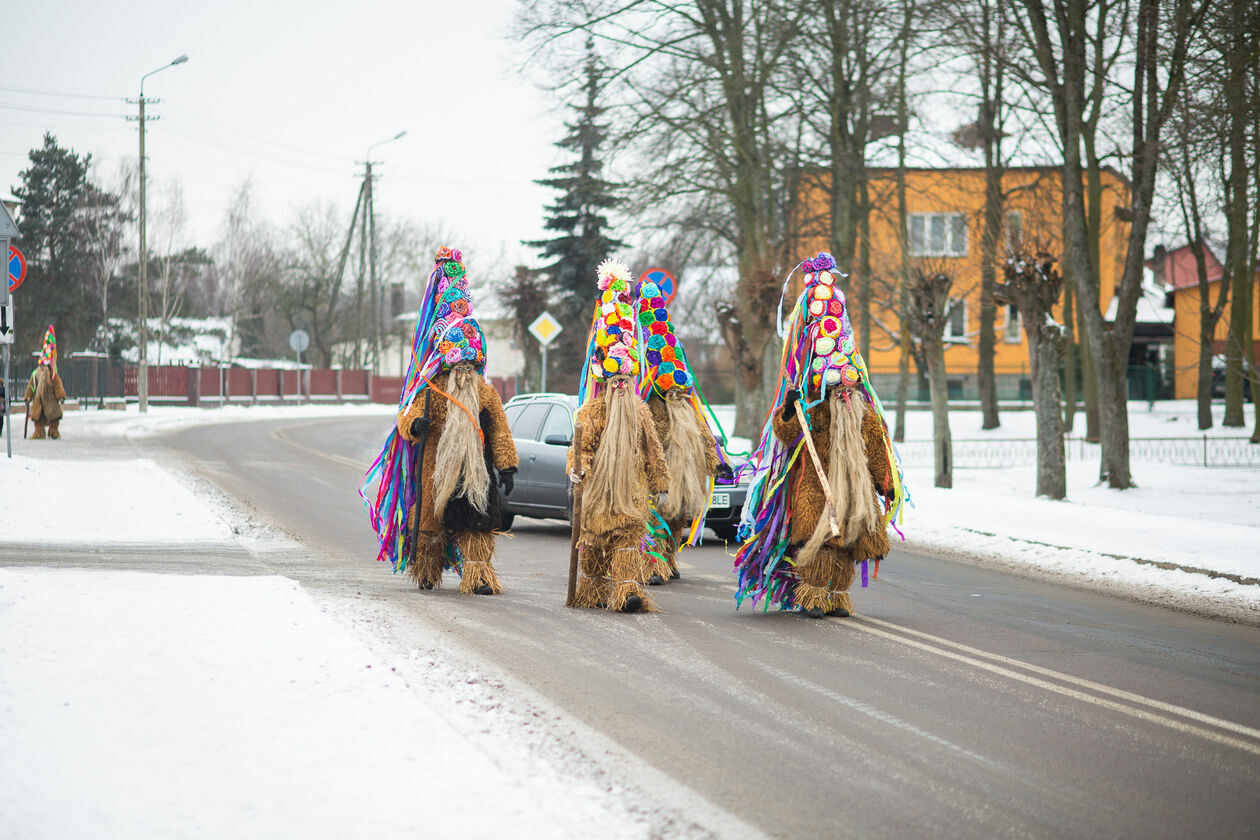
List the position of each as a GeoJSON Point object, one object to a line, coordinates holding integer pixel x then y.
{"type": "Point", "coordinates": [610, 270]}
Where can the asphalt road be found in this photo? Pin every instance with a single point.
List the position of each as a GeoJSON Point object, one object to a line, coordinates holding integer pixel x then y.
{"type": "Point", "coordinates": [959, 702]}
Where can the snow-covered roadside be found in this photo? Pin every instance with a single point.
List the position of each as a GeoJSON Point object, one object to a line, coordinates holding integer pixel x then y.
{"type": "Point", "coordinates": [159, 419]}
{"type": "Point", "coordinates": [116, 501]}
{"type": "Point", "coordinates": [170, 705]}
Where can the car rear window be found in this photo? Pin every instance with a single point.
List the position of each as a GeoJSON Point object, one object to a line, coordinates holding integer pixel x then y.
{"type": "Point", "coordinates": [526, 424]}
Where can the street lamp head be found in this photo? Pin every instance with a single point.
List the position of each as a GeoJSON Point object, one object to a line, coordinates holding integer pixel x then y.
{"type": "Point", "coordinates": [179, 60]}
{"type": "Point", "coordinates": [400, 134]}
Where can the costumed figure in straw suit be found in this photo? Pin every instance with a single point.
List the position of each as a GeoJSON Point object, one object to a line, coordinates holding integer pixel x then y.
{"type": "Point", "coordinates": [455, 418]}
{"type": "Point", "coordinates": [44, 391]}
{"type": "Point", "coordinates": [805, 539]}
{"type": "Point", "coordinates": [691, 451]}
{"type": "Point", "coordinates": [622, 465]}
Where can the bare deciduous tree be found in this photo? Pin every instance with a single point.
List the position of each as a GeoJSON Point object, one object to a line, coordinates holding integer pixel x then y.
{"type": "Point", "coordinates": [1033, 285]}
{"type": "Point", "coordinates": [1070, 40]}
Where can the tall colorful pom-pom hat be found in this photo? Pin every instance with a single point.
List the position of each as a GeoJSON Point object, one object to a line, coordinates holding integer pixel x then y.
{"type": "Point", "coordinates": [612, 347]}
{"type": "Point", "coordinates": [828, 353]}
{"type": "Point", "coordinates": [446, 334]}
{"type": "Point", "coordinates": [665, 361]}
{"type": "Point", "coordinates": [455, 335]}
{"type": "Point", "coordinates": [819, 355]}
{"type": "Point", "coordinates": [48, 350]}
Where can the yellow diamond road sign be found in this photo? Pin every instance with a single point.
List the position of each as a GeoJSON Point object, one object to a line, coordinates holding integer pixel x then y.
{"type": "Point", "coordinates": [545, 328]}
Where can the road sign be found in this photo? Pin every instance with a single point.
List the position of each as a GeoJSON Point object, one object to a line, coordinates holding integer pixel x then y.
{"type": "Point", "coordinates": [17, 268]}
{"type": "Point", "coordinates": [545, 328]}
{"type": "Point", "coordinates": [7, 327]}
{"type": "Point", "coordinates": [662, 278]}
{"type": "Point", "coordinates": [299, 341]}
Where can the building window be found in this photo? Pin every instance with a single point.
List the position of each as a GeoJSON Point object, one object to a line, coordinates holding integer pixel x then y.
{"type": "Point", "coordinates": [938, 234]}
{"type": "Point", "coordinates": [956, 329]}
{"type": "Point", "coordinates": [1013, 324]}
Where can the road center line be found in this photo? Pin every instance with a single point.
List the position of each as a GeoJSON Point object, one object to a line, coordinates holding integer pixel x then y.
{"type": "Point", "coordinates": [281, 433]}
{"type": "Point", "coordinates": [1084, 683]}
{"type": "Point", "coordinates": [1142, 714]}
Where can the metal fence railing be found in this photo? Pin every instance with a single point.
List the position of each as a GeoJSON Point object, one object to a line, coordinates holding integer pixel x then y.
{"type": "Point", "coordinates": [1202, 451]}
{"type": "Point", "coordinates": [85, 379]}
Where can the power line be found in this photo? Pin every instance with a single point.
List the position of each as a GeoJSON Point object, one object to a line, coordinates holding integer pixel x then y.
{"type": "Point", "coordinates": [64, 126]}
{"type": "Point", "coordinates": [35, 92]}
{"type": "Point", "coordinates": [254, 155]}
{"type": "Point", "coordinates": [223, 129]}
{"type": "Point", "coordinates": [9, 107]}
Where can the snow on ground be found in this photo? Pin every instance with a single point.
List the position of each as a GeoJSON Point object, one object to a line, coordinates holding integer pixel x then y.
{"type": "Point", "coordinates": [163, 418]}
{"type": "Point", "coordinates": [116, 501]}
{"type": "Point", "coordinates": [1201, 524]}
{"type": "Point", "coordinates": [145, 705]}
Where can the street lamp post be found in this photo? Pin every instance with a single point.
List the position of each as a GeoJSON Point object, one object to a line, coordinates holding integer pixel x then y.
{"type": "Point", "coordinates": [142, 378]}
{"type": "Point", "coordinates": [377, 296]}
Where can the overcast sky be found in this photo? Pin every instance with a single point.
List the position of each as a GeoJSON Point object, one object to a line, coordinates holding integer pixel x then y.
{"type": "Point", "coordinates": [291, 93]}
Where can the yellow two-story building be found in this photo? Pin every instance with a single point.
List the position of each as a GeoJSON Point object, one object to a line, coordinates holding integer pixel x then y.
{"type": "Point", "coordinates": [945, 226]}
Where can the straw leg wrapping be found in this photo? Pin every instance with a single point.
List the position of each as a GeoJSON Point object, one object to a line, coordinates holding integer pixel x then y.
{"type": "Point", "coordinates": [825, 581]}
{"type": "Point", "coordinates": [477, 547]}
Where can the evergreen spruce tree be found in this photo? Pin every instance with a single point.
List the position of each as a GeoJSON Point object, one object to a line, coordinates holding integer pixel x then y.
{"type": "Point", "coordinates": [55, 193]}
{"type": "Point", "coordinates": [582, 241]}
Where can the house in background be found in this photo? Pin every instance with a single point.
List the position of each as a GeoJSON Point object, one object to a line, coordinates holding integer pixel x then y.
{"type": "Point", "coordinates": [946, 223]}
{"type": "Point", "coordinates": [1177, 271]}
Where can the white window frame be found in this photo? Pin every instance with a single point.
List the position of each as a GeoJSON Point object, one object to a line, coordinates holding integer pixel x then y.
{"type": "Point", "coordinates": [954, 306]}
{"type": "Point", "coordinates": [920, 242]}
{"type": "Point", "coordinates": [1015, 335]}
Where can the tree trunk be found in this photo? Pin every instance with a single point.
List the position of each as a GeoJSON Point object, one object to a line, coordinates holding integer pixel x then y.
{"type": "Point", "coordinates": [903, 238]}
{"type": "Point", "coordinates": [1089, 380]}
{"type": "Point", "coordinates": [993, 205]}
{"type": "Point", "coordinates": [864, 266]}
{"type": "Point", "coordinates": [1208, 318]}
{"type": "Point", "coordinates": [1204, 395]}
{"type": "Point", "coordinates": [1045, 344]}
{"type": "Point", "coordinates": [942, 444]}
{"type": "Point", "coordinates": [756, 351]}
{"type": "Point", "coordinates": [1069, 362]}
{"type": "Point", "coordinates": [1237, 263]}
{"type": "Point", "coordinates": [1113, 406]}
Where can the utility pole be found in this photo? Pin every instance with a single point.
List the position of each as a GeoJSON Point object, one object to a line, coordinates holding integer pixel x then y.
{"type": "Point", "coordinates": [142, 373]}
{"type": "Point", "coordinates": [360, 352]}
{"type": "Point", "coordinates": [377, 295]}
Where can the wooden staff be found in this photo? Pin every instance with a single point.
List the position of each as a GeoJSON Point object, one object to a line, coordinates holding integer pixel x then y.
{"type": "Point", "coordinates": [576, 524]}
{"type": "Point", "coordinates": [822, 475]}
{"type": "Point", "coordinates": [415, 472]}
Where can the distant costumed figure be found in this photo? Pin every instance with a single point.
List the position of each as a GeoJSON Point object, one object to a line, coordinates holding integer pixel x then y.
{"type": "Point", "coordinates": [804, 541]}
{"type": "Point", "coordinates": [622, 464]}
{"type": "Point", "coordinates": [454, 419]}
{"type": "Point", "coordinates": [44, 391]}
{"type": "Point", "coordinates": [691, 451]}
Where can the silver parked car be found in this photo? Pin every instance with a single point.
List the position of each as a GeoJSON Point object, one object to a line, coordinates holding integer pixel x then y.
{"type": "Point", "coordinates": [542, 427]}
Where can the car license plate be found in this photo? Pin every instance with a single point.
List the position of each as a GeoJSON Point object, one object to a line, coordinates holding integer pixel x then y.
{"type": "Point", "coordinates": [720, 500]}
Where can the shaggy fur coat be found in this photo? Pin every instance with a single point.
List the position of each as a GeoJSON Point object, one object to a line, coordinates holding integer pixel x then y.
{"type": "Point", "coordinates": [651, 475]}
{"type": "Point", "coordinates": [499, 451]}
{"type": "Point", "coordinates": [809, 503]}
{"type": "Point", "coordinates": [45, 395]}
{"type": "Point", "coordinates": [660, 418]}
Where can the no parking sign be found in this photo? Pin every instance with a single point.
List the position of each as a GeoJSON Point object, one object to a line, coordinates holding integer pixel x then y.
{"type": "Point", "coordinates": [17, 268]}
{"type": "Point", "coordinates": [664, 280]}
